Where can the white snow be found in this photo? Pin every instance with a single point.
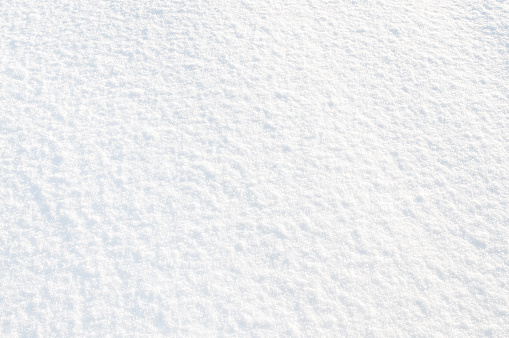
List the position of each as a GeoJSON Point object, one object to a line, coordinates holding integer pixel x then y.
{"type": "Point", "coordinates": [254, 168]}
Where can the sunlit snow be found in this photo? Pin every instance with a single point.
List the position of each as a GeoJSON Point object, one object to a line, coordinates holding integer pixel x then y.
{"type": "Point", "coordinates": [254, 168]}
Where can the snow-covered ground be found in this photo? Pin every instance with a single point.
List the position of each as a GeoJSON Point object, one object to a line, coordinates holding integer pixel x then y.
{"type": "Point", "coordinates": [254, 168]}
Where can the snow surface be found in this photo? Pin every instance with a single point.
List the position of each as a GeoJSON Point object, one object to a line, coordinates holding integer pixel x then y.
{"type": "Point", "coordinates": [254, 168]}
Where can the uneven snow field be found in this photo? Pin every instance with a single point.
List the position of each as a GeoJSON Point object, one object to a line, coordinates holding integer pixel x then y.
{"type": "Point", "coordinates": [254, 168]}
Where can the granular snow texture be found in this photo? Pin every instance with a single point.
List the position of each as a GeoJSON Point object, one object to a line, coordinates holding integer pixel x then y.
{"type": "Point", "coordinates": [254, 168]}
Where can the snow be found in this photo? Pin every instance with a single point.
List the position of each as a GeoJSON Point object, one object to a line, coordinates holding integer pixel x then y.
{"type": "Point", "coordinates": [254, 168]}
